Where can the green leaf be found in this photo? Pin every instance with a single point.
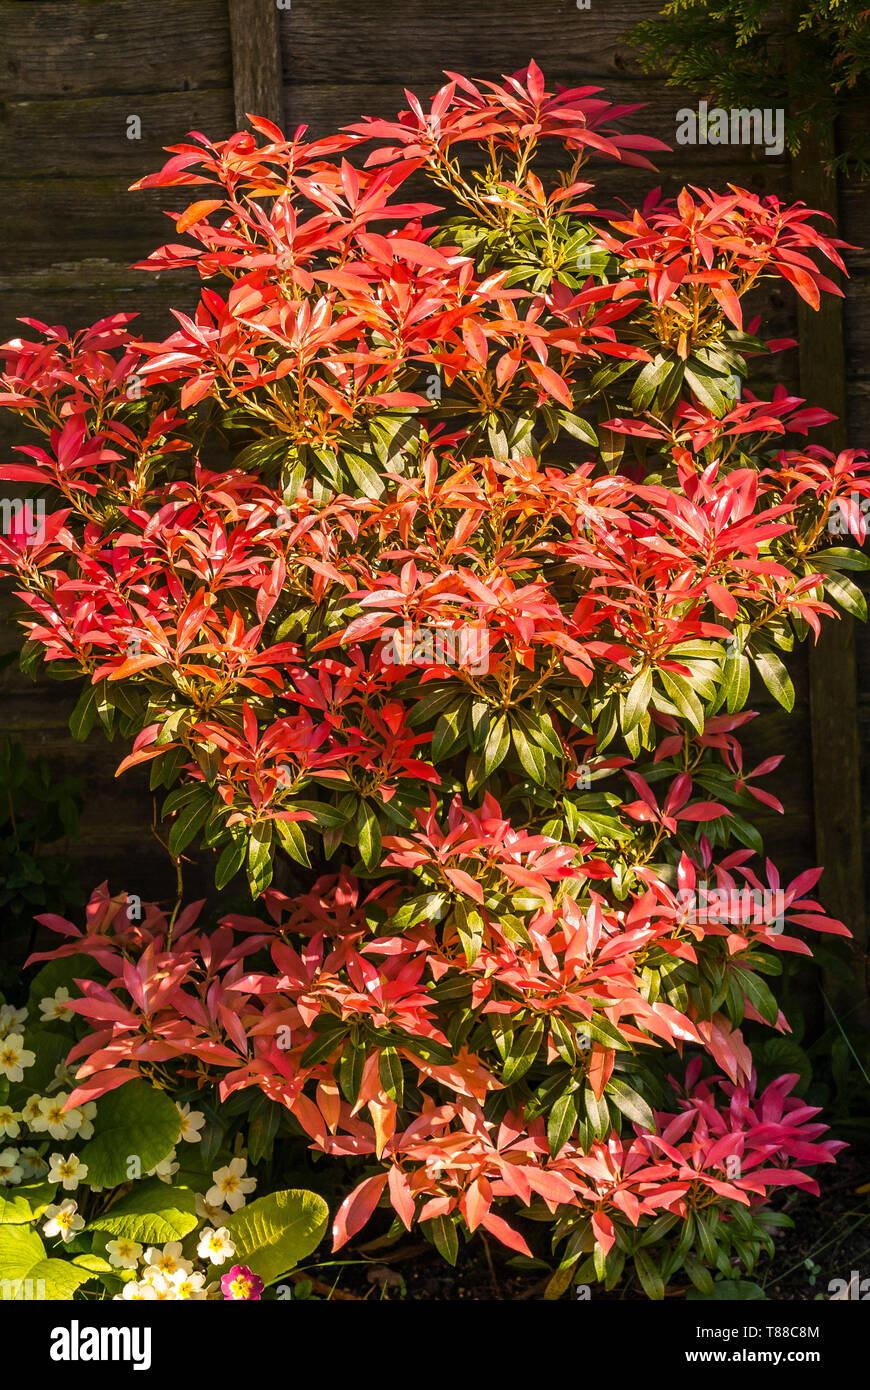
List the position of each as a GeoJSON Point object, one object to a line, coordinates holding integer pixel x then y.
{"type": "Point", "coordinates": [431, 704]}
{"type": "Point", "coordinates": [707, 389]}
{"type": "Point", "coordinates": [680, 691]}
{"type": "Point", "coordinates": [630, 1103]}
{"type": "Point", "coordinates": [442, 1232]}
{"type": "Point", "coordinates": [699, 1275]}
{"type": "Point", "coordinates": [84, 716]}
{"type": "Point", "coordinates": [23, 1260]}
{"type": "Point", "coordinates": [95, 1264]}
{"type": "Point", "coordinates": [578, 428]}
{"type": "Point", "coordinates": [153, 1214]}
{"type": "Point", "coordinates": [351, 1066]}
{"type": "Point", "coordinates": [260, 856]}
{"type": "Point", "coordinates": [735, 681]}
{"type": "Point", "coordinates": [730, 1291]}
{"type": "Point", "coordinates": [230, 862]}
{"type": "Point", "coordinates": [648, 381]}
{"type": "Point", "coordinates": [531, 757]}
{"type": "Point", "coordinates": [776, 678]}
{"type": "Point", "coordinates": [329, 816]}
{"type": "Point", "coordinates": [847, 595]}
{"type": "Point", "coordinates": [470, 926]}
{"type": "Point", "coordinates": [189, 820]}
{"type": "Point", "coordinates": [264, 1118]}
{"type": "Point", "coordinates": [18, 1205]}
{"type": "Point", "coordinates": [497, 745]}
{"type": "Point", "coordinates": [597, 1113]}
{"type": "Point", "coordinates": [649, 1276]}
{"type": "Point", "coordinates": [637, 700]}
{"type": "Point", "coordinates": [135, 1121]}
{"type": "Point", "coordinates": [758, 994]}
{"type": "Point", "coordinates": [413, 910]}
{"type": "Point", "coordinates": [272, 1234]}
{"type": "Point", "coordinates": [561, 1122]}
{"type": "Point", "coordinates": [292, 838]}
{"type": "Point", "coordinates": [368, 835]}
{"type": "Point", "coordinates": [364, 475]}
{"type": "Point", "coordinates": [322, 1047]}
{"type": "Point", "coordinates": [391, 1074]}
{"type": "Point", "coordinates": [839, 557]}
{"type": "Point", "coordinates": [447, 731]}
{"type": "Point", "coordinates": [524, 1048]}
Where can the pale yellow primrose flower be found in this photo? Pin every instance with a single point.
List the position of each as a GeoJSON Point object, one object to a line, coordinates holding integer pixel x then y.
{"type": "Point", "coordinates": [86, 1115]}
{"type": "Point", "coordinates": [215, 1246]}
{"type": "Point", "coordinates": [137, 1293]}
{"type": "Point", "coordinates": [205, 1211]}
{"type": "Point", "coordinates": [70, 1171]}
{"type": "Point", "coordinates": [55, 1006]}
{"type": "Point", "coordinates": [32, 1162]}
{"type": "Point", "coordinates": [192, 1122]}
{"type": "Point", "coordinates": [165, 1168]}
{"type": "Point", "coordinates": [9, 1126]}
{"type": "Point", "coordinates": [162, 1285]}
{"type": "Point", "coordinates": [60, 1123]}
{"type": "Point", "coordinates": [10, 1169]}
{"type": "Point", "coordinates": [14, 1057]}
{"type": "Point", "coordinates": [231, 1185]}
{"type": "Point", "coordinates": [63, 1076]}
{"type": "Point", "coordinates": [62, 1220]}
{"type": "Point", "coordinates": [168, 1260]}
{"type": "Point", "coordinates": [33, 1111]}
{"type": "Point", "coordinates": [11, 1019]}
{"type": "Point", "coordinates": [188, 1286]}
{"type": "Point", "coordinates": [123, 1253]}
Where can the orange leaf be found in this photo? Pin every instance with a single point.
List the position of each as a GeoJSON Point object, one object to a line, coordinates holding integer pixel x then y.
{"type": "Point", "coordinates": [196, 212]}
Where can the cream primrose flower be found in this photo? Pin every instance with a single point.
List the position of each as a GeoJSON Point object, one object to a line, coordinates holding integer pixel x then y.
{"type": "Point", "coordinates": [155, 1279]}
{"type": "Point", "coordinates": [189, 1286]}
{"type": "Point", "coordinates": [230, 1185]}
{"type": "Point", "coordinates": [165, 1168]}
{"type": "Point", "coordinates": [123, 1253]}
{"type": "Point", "coordinates": [9, 1126]}
{"type": "Point", "coordinates": [63, 1076]}
{"type": "Point", "coordinates": [60, 1123]}
{"type": "Point", "coordinates": [11, 1019]}
{"type": "Point", "coordinates": [63, 1220]}
{"type": "Point", "coordinates": [55, 1007]}
{"type": "Point", "coordinates": [32, 1162]}
{"type": "Point", "coordinates": [14, 1057]}
{"type": "Point", "coordinates": [32, 1111]}
{"type": "Point", "coordinates": [168, 1260]}
{"type": "Point", "coordinates": [205, 1211]}
{"type": "Point", "coordinates": [70, 1171]}
{"type": "Point", "coordinates": [192, 1122]}
{"type": "Point", "coordinates": [86, 1122]}
{"type": "Point", "coordinates": [10, 1169]}
{"type": "Point", "coordinates": [215, 1246]}
{"type": "Point", "coordinates": [137, 1293]}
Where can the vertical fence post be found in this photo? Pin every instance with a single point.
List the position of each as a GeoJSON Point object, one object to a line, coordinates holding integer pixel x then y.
{"type": "Point", "coordinates": [256, 50]}
{"type": "Point", "coordinates": [836, 748]}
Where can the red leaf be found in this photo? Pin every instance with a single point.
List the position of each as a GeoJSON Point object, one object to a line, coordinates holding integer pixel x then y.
{"type": "Point", "coordinates": [356, 1209]}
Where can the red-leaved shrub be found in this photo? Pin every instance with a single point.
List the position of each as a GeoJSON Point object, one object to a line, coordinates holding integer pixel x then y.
{"type": "Point", "coordinates": [435, 557]}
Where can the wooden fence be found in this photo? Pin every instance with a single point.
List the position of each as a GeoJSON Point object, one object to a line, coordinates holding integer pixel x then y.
{"type": "Point", "coordinates": [93, 89]}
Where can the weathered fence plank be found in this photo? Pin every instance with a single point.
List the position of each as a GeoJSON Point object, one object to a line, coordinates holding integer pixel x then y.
{"type": "Point", "coordinates": [833, 675]}
{"type": "Point", "coordinates": [56, 49]}
{"type": "Point", "coordinates": [256, 60]}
